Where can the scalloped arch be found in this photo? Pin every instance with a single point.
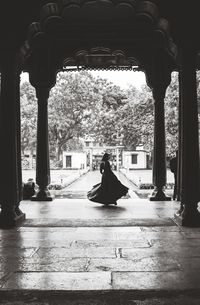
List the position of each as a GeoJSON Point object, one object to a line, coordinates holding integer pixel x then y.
{"type": "Point", "coordinates": [142, 15]}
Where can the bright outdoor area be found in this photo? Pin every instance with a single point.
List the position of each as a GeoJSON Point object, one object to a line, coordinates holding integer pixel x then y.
{"type": "Point", "coordinates": [93, 112]}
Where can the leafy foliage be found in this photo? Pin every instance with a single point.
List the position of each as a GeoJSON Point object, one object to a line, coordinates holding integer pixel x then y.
{"type": "Point", "coordinates": [81, 105]}
{"type": "Point", "coordinates": [138, 120]}
{"type": "Point", "coordinates": [28, 117]}
{"type": "Point", "coordinates": [171, 115]}
{"type": "Point", "coordinates": [69, 104]}
{"type": "Point", "coordinates": [105, 119]}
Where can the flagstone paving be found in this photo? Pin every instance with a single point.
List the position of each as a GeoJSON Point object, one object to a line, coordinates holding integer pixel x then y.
{"type": "Point", "coordinates": [72, 251]}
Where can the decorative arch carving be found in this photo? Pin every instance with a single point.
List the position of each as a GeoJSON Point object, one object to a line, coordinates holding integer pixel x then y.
{"type": "Point", "coordinates": [99, 58]}
{"type": "Point", "coordinates": [67, 18]}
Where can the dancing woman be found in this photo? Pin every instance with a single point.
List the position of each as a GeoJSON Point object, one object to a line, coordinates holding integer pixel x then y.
{"type": "Point", "coordinates": [110, 189]}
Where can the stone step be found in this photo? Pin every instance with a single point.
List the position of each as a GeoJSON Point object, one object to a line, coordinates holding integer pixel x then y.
{"type": "Point", "coordinates": [179, 297]}
{"type": "Point", "coordinates": [90, 222]}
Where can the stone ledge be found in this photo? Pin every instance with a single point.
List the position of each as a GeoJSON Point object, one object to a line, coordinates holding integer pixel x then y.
{"type": "Point", "coordinates": [138, 282]}
{"type": "Point", "coordinates": [145, 297]}
{"type": "Point", "coordinates": [110, 222]}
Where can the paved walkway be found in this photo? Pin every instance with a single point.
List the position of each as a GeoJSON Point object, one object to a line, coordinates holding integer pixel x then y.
{"type": "Point", "coordinates": [72, 251]}
{"type": "Point", "coordinates": [80, 187]}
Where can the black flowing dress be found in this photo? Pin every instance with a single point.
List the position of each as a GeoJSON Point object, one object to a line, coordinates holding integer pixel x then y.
{"type": "Point", "coordinates": [110, 189]}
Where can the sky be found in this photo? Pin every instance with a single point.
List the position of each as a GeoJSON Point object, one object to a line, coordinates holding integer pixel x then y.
{"type": "Point", "coordinates": [120, 78]}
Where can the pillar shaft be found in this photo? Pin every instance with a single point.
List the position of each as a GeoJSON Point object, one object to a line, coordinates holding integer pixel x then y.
{"type": "Point", "coordinates": [179, 174]}
{"type": "Point", "coordinates": [42, 160]}
{"type": "Point", "coordinates": [9, 138]}
{"type": "Point", "coordinates": [189, 143]}
{"type": "Point", "coordinates": [18, 130]}
{"type": "Point", "coordinates": [159, 155]}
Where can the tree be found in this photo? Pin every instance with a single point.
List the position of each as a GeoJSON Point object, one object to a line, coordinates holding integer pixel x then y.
{"type": "Point", "coordinates": [28, 117]}
{"type": "Point", "coordinates": [171, 115]}
{"type": "Point", "coordinates": [124, 116]}
{"type": "Point", "coordinates": [105, 124]}
{"type": "Point", "coordinates": [70, 104]}
{"type": "Point", "coordinates": [75, 144]}
{"type": "Point", "coordinates": [81, 105]}
{"type": "Point", "coordinates": [78, 105]}
{"type": "Point", "coordinates": [137, 116]}
{"type": "Point", "coordinates": [139, 119]}
{"type": "Point", "coordinates": [198, 91]}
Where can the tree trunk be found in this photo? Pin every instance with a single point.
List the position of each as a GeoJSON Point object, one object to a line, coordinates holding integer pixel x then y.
{"type": "Point", "coordinates": [58, 153]}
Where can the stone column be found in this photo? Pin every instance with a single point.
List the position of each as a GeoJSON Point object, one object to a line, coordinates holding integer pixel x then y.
{"type": "Point", "coordinates": [18, 135]}
{"type": "Point", "coordinates": [159, 155]}
{"type": "Point", "coordinates": [189, 144]}
{"type": "Point", "coordinates": [179, 145]}
{"type": "Point", "coordinates": [42, 158]}
{"type": "Point", "coordinates": [9, 139]}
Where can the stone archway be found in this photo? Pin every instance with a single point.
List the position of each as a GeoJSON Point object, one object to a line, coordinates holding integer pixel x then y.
{"type": "Point", "coordinates": [109, 35]}
{"type": "Point", "coordinates": [140, 28]}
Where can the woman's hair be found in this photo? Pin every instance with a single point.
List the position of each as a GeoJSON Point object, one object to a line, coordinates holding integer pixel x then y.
{"type": "Point", "coordinates": [105, 157]}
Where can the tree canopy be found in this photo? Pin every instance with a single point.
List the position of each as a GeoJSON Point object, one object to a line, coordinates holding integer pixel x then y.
{"type": "Point", "coordinates": [171, 115]}
{"type": "Point", "coordinates": [28, 117]}
{"type": "Point", "coordinates": [82, 105]}
{"type": "Point", "coordinates": [69, 108]}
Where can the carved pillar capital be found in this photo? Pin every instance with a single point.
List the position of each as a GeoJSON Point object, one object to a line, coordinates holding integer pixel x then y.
{"type": "Point", "coordinates": [42, 93]}
{"type": "Point", "coordinates": [158, 92]}
{"type": "Point", "coordinates": [158, 72]}
{"type": "Point", "coordinates": [42, 77]}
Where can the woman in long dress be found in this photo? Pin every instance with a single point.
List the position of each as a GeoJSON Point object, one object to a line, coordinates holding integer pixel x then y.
{"type": "Point", "coordinates": [110, 189]}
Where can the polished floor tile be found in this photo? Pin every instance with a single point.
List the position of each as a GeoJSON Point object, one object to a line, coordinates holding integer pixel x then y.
{"type": "Point", "coordinates": [59, 281]}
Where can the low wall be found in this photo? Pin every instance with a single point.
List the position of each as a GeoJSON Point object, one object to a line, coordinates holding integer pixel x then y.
{"type": "Point", "coordinates": [66, 181]}
{"type": "Point", "coordinates": [130, 176]}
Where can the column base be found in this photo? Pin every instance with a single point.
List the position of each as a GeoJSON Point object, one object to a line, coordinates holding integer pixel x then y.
{"type": "Point", "coordinates": [159, 195]}
{"type": "Point", "coordinates": [180, 211]}
{"type": "Point", "coordinates": [8, 221]}
{"type": "Point", "coordinates": [42, 195]}
{"type": "Point", "coordinates": [189, 217]}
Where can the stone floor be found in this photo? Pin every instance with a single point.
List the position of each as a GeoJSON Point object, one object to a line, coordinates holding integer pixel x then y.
{"type": "Point", "coordinates": [72, 251]}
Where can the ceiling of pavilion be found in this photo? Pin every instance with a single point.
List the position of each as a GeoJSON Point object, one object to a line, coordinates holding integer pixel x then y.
{"type": "Point", "coordinates": [100, 33]}
{"type": "Point", "coordinates": [64, 27]}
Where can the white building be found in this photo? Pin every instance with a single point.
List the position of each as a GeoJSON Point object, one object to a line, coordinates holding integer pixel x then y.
{"type": "Point", "coordinates": [74, 160]}
{"type": "Point", "coordinates": [137, 159]}
{"type": "Point", "coordinates": [95, 152]}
